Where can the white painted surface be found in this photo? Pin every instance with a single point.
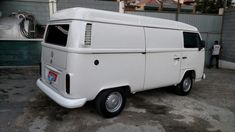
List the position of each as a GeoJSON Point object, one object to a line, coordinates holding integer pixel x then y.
{"type": "Point", "coordinates": [114, 70]}
{"type": "Point", "coordinates": [117, 18]}
{"type": "Point", "coordinates": [163, 39]}
{"type": "Point", "coordinates": [216, 49]}
{"type": "Point", "coordinates": [226, 64]}
{"type": "Point", "coordinates": [129, 54]}
{"type": "Point", "coordinates": [194, 61]}
{"type": "Point", "coordinates": [110, 36]}
{"type": "Point", "coordinates": [65, 102]}
{"type": "Point", "coordinates": [54, 57]}
{"type": "Point", "coordinates": [162, 68]}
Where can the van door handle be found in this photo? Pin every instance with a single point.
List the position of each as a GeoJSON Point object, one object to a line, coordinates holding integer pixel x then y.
{"type": "Point", "coordinates": [177, 58]}
{"type": "Point", "coordinates": [184, 57]}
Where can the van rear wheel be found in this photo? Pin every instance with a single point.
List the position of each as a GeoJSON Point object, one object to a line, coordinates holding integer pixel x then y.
{"type": "Point", "coordinates": [110, 103]}
{"type": "Point", "coordinates": [185, 85]}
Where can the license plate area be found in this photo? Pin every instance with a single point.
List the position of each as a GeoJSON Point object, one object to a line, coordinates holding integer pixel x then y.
{"type": "Point", "coordinates": [52, 76]}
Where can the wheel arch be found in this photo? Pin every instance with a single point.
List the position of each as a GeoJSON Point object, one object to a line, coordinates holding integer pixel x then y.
{"type": "Point", "coordinates": [183, 88]}
{"type": "Point", "coordinates": [125, 88]}
{"type": "Point", "coordinates": [191, 72]}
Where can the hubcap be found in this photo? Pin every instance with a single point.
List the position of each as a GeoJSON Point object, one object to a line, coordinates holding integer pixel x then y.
{"type": "Point", "coordinates": [187, 84]}
{"type": "Point", "coordinates": [113, 102]}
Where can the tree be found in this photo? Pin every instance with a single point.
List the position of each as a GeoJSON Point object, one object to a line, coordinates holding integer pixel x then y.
{"type": "Point", "coordinates": [211, 6]}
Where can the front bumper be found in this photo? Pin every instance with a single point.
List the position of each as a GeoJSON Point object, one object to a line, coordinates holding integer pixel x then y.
{"type": "Point", "coordinates": [59, 99]}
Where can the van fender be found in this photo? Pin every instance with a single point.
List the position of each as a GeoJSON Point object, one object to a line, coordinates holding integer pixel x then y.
{"type": "Point", "coordinates": [124, 86]}
{"type": "Point", "coordinates": [184, 71]}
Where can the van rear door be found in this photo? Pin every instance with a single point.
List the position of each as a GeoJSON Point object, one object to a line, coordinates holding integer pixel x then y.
{"type": "Point", "coordinates": [54, 55]}
{"type": "Point", "coordinates": [56, 36]}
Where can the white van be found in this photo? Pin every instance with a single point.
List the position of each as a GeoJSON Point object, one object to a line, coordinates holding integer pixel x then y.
{"type": "Point", "coordinates": [98, 55]}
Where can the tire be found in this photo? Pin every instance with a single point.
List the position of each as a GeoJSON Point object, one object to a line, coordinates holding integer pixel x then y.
{"type": "Point", "coordinates": [185, 85]}
{"type": "Point", "coordinates": [110, 103]}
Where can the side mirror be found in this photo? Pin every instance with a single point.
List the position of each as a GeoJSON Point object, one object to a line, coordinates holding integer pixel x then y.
{"type": "Point", "coordinates": [202, 45]}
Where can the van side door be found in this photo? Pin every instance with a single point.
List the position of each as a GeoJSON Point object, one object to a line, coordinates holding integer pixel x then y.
{"type": "Point", "coordinates": [163, 57]}
{"type": "Point", "coordinates": [192, 56]}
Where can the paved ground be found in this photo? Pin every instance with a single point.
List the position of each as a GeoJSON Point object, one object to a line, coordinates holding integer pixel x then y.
{"type": "Point", "coordinates": [209, 107]}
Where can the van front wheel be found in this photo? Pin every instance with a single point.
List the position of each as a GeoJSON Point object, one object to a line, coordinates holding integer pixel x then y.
{"type": "Point", "coordinates": [185, 85]}
{"type": "Point", "coordinates": [110, 103]}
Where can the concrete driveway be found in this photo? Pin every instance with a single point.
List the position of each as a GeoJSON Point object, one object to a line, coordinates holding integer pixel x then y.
{"type": "Point", "coordinates": [209, 107]}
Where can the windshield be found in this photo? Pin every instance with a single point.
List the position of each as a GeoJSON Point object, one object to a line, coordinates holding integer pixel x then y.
{"type": "Point", "coordinates": [57, 34]}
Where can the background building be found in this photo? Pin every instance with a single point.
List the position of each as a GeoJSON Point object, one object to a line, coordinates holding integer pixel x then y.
{"type": "Point", "coordinates": [209, 25]}
{"type": "Point", "coordinates": [41, 8]}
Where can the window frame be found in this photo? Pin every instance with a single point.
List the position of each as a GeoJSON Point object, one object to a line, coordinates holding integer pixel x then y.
{"type": "Point", "coordinates": [199, 40]}
{"type": "Point", "coordinates": [54, 24]}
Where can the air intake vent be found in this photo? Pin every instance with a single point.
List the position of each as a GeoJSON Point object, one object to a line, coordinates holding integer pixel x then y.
{"type": "Point", "coordinates": [88, 34]}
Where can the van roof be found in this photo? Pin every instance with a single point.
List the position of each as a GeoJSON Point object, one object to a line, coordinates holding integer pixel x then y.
{"type": "Point", "coordinates": [86, 14]}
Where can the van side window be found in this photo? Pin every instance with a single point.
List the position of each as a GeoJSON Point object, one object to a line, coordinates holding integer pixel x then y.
{"type": "Point", "coordinates": [57, 34]}
{"type": "Point", "coordinates": [191, 40]}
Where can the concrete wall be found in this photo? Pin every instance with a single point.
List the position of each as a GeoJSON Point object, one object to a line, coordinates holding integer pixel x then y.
{"type": "Point", "coordinates": [95, 4]}
{"type": "Point", "coordinates": [40, 8]}
{"type": "Point", "coordinates": [23, 52]}
{"type": "Point", "coordinates": [19, 53]}
{"type": "Point", "coordinates": [228, 36]}
{"type": "Point", "coordinates": [228, 39]}
{"type": "Point", "coordinates": [209, 25]}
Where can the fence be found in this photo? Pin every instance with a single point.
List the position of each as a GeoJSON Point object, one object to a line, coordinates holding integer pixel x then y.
{"type": "Point", "coordinates": [229, 36]}
{"type": "Point", "coordinates": [209, 25]}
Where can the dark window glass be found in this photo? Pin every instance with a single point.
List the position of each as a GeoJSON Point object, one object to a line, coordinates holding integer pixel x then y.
{"type": "Point", "coordinates": [191, 40]}
{"type": "Point", "coordinates": [57, 34]}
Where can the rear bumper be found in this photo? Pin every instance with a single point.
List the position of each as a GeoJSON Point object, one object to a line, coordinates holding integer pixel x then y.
{"type": "Point", "coordinates": [65, 102]}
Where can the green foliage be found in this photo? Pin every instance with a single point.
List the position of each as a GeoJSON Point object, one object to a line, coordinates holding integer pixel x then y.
{"type": "Point", "coordinates": [211, 6]}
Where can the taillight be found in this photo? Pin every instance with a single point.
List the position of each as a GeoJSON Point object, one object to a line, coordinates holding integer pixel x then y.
{"type": "Point", "coordinates": [67, 83]}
